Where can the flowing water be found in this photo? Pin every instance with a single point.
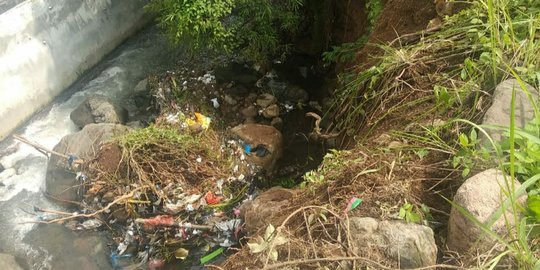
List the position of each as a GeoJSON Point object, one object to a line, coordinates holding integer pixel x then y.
{"type": "Point", "coordinates": [21, 183]}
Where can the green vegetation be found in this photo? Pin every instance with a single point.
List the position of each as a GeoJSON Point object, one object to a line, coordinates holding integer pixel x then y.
{"type": "Point", "coordinates": [346, 52]}
{"type": "Point", "coordinates": [256, 29]}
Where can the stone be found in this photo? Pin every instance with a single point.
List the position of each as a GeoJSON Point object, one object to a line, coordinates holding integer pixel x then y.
{"type": "Point", "coordinates": [8, 262]}
{"type": "Point", "coordinates": [60, 180]}
{"type": "Point", "coordinates": [277, 122]}
{"type": "Point", "coordinates": [2, 168]}
{"type": "Point", "coordinates": [230, 100]}
{"type": "Point", "coordinates": [271, 111]}
{"type": "Point", "coordinates": [412, 244]}
{"type": "Point", "coordinates": [499, 112]}
{"type": "Point", "coordinates": [258, 213]}
{"type": "Point", "coordinates": [141, 94]}
{"type": "Point", "coordinates": [251, 99]}
{"type": "Point", "coordinates": [250, 112]}
{"type": "Point", "coordinates": [408, 245]}
{"type": "Point", "coordinates": [295, 94]}
{"type": "Point", "coordinates": [265, 100]}
{"type": "Point", "coordinates": [98, 109]}
{"type": "Point", "coordinates": [481, 195]}
{"type": "Point", "coordinates": [256, 134]}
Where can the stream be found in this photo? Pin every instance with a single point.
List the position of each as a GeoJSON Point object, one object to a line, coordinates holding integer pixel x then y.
{"type": "Point", "coordinates": [23, 179]}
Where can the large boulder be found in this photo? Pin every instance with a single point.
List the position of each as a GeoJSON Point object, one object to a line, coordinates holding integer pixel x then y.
{"type": "Point", "coordinates": [408, 245]}
{"type": "Point", "coordinates": [267, 136]}
{"type": "Point", "coordinates": [60, 178]}
{"type": "Point", "coordinates": [8, 262]}
{"type": "Point", "coordinates": [98, 109]}
{"type": "Point", "coordinates": [481, 195]}
{"type": "Point", "coordinates": [261, 211]}
{"type": "Point", "coordinates": [499, 112]}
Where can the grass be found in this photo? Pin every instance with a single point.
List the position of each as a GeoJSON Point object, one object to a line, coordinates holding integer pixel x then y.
{"type": "Point", "coordinates": [442, 75]}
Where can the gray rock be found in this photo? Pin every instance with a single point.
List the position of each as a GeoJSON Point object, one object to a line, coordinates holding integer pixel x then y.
{"type": "Point", "coordinates": [98, 109]}
{"type": "Point", "coordinates": [2, 168]}
{"type": "Point", "coordinates": [60, 180]}
{"type": "Point", "coordinates": [407, 245]}
{"type": "Point", "coordinates": [256, 134]}
{"type": "Point", "coordinates": [481, 195]}
{"type": "Point", "coordinates": [271, 111]}
{"type": "Point", "coordinates": [8, 262]}
{"type": "Point", "coordinates": [265, 100]}
{"type": "Point", "coordinates": [413, 244]}
{"type": "Point", "coordinates": [499, 112]}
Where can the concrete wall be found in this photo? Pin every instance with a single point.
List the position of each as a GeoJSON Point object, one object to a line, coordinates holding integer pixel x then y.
{"type": "Point", "coordinates": [45, 45]}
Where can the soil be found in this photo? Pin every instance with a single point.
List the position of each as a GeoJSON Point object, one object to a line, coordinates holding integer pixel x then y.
{"type": "Point", "coordinates": [398, 17]}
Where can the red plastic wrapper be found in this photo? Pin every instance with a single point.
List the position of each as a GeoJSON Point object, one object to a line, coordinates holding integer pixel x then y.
{"type": "Point", "coordinates": [212, 199]}
{"type": "Point", "coordinates": [163, 220]}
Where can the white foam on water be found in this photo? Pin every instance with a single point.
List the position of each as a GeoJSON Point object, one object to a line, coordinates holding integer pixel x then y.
{"type": "Point", "coordinates": [26, 167]}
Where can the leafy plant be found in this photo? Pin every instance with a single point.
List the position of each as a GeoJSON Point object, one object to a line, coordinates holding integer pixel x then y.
{"type": "Point", "coordinates": [373, 8]}
{"type": "Point", "coordinates": [268, 243]}
{"type": "Point", "coordinates": [469, 153]}
{"type": "Point", "coordinates": [412, 213]}
{"type": "Point", "coordinates": [254, 28]}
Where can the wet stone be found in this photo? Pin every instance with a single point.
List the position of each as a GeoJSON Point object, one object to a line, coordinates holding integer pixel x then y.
{"type": "Point", "coordinates": [256, 135]}
{"type": "Point", "coordinates": [230, 100]}
{"type": "Point", "coordinates": [98, 109]}
{"type": "Point", "coordinates": [271, 111]}
{"type": "Point", "coordinates": [249, 112]}
{"type": "Point", "coordinates": [277, 122]}
{"type": "Point", "coordinates": [265, 100]}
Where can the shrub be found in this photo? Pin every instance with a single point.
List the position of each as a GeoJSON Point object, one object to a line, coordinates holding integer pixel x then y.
{"type": "Point", "coordinates": [254, 29]}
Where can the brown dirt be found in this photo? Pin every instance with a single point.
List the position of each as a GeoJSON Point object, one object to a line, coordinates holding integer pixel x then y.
{"type": "Point", "coordinates": [399, 17]}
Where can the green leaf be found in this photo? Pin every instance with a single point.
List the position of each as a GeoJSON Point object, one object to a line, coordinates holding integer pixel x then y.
{"type": "Point", "coordinates": [463, 140]}
{"type": "Point", "coordinates": [212, 255]}
{"type": "Point", "coordinates": [473, 136]}
{"type": "Point", "coordinates": [465, 172]}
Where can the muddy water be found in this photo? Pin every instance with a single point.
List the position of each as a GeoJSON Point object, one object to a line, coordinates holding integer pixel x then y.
{"type": "Point", "coordinates": [53, 246]}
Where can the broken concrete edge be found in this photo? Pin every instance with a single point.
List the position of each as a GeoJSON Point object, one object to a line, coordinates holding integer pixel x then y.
{"type": "Point", "coordinates": [46, 47]}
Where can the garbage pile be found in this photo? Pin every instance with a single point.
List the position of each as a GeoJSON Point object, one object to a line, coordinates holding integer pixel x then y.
{"type": "Point", "coordinates": [167, 194]}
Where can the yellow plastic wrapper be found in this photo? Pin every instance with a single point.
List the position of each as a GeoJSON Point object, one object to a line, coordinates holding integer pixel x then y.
{"type": "Point", "coordinates": [203, 120]}
{"type": "Point", "coordinates": [200, 119]}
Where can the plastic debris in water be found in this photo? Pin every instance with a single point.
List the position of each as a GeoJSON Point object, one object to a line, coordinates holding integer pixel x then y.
{"type": "Point", "coordinates": [155, 264]}
{"type": "Point", "coordinates": [247, 148]}
{"type": "Point", "coordinates": [215, 103]}
{"type": "Point", "coordinates": [91, 224]}
{"type": "Point", "coordinates": [212, 255]}
{"type": "Point", "coordinates": [162, 220]}
{"type": "Point", "coordinates": [181, 253]}
{"type": "Point", "coordinates": [212, 199]}
{"type": "Point", "coordinates": [260, 150]}
{"type": "Point", "coordinates": [204, 121]}
{"type": "Point", "coordinates": [353, 203]}
{"type": "Point", "coordinates": [200, 119]}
